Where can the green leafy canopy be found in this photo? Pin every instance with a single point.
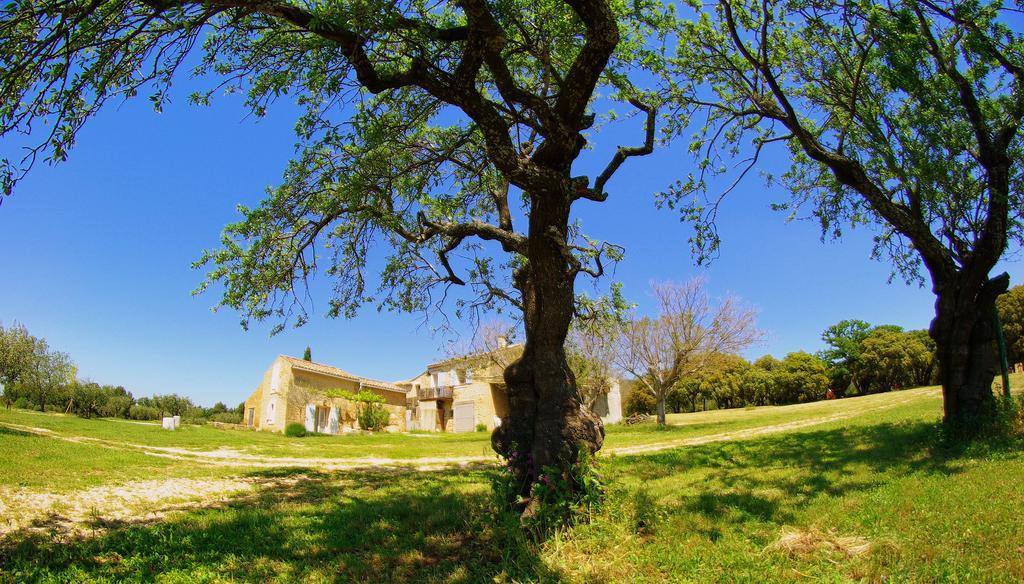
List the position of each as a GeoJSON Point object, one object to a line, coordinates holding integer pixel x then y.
{"type": "Point", "coordinates": [423, 128]}
{"type": "Point", "coordinates": [901, 115]}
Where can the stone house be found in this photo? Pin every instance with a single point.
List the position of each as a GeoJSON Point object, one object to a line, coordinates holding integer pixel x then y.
{"type": "Point", "coordinates": [295, 390]}
{"type": "Point", "coordinates": [462, 393]}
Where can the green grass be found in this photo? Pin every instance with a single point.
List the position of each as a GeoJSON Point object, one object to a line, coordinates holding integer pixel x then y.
{"type": "Point", "coordinates": [429, 444]}
{"type": "Point", "coordinates": [923, 511]}
{"type": "Point", "coordinates": [207, 438]}
{"type": "Point", "coordinates": [40, 462]}
{"type": "Point", "coordinates": [928, 514]}
{"type": "Point", "coordinates": [687, 426]}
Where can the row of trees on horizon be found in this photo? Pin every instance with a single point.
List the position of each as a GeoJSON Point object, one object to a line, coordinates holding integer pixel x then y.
{"type": "Point", "coordinates": [860, 359]}
{"type": "Point", "coordinates": [680, 360]}
{"type": "Point", "coordinates": [884, 358]}
{"type": "Point", "coordinates": [36, 376]}
{"type": "Point", "coordinates": [686, 355]}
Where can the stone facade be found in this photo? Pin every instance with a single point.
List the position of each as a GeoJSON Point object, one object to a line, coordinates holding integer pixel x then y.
{"type": "Point", "coordinates": [455, 395]}
{"type": "Point", "coordinates": [464, 393]}
{"type": "Point", "coordinates": [294, 390]}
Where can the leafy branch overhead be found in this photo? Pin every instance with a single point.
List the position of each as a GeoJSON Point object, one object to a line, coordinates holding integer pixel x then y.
{"type": "Point", "coordinates": [902, 115]}
{"type": "Point", "coordinates": [422, 127]}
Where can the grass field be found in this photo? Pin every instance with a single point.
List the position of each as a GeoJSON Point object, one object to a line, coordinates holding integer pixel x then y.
{"type": "Point", "coordinates": [860, 489]}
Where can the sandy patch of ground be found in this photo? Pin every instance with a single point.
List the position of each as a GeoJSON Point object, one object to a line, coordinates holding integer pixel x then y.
{"type": "Point", "coordinates": [95, 508]}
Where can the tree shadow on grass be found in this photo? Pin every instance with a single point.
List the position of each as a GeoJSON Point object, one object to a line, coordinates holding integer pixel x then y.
{"type": "Point", "coordinates": [772, 477]}
{"type": "Point", "coordinates": [367, 526]}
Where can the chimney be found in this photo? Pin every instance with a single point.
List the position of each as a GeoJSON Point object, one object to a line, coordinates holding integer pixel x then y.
{"type": "Point", "coordinates": [502, 342]}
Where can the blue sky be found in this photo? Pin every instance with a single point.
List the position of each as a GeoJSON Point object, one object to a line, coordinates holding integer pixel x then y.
{"type": "Point", "coordinates": [97, 251]}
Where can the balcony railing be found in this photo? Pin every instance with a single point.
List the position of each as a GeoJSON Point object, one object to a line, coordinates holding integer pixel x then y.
{"type": "Point", "coordinates": [429, 393]}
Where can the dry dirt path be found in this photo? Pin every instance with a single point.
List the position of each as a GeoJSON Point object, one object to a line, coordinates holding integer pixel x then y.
{"type": "Point", "coordinates": [97, 508]}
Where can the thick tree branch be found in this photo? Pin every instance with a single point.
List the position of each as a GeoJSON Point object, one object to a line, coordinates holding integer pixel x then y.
{"type": "Point", "coordinates": [847, 171]}
{"type": "Point", "coordinates": [510, 242]}
{"type": "Point", "coordinates": [622, 153]}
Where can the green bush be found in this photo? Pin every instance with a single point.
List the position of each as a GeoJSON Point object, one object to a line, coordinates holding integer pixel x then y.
{"type": "Point", "coordinates": [22, 404]}
{"type": "Point", "coordinates": [558, 498]}
{"type": "Point", "coordinates": [227, 418]}
{"type": "Point", "coordinates": [295, 430]}
{"type": "Point", "coordinates": [481, 427]}
{"type": "Point", "coordinates": [138, 412]}
{"type": "Point", "coordinates": [116, 406]}
{"type": "Point", "coordinates": [373, 416]}
{"type": "Point", "coordinates": [640, 402]}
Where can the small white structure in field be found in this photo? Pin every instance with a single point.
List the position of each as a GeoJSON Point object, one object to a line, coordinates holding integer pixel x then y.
{"type": "Point", "coordinates": [170, 423]}
{"type": "Point", "coordinates": [177, 422]}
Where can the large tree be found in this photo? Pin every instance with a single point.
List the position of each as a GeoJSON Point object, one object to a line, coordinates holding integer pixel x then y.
{"type": "Point", "coordinates": [843, 352]}
{"type": "Point", "coordinates": [16, 347]}
{"type": "Point", "coordinates": [799, 378]}
{"type": "Point", "coordinates": [48, 377]}
{"type": "Point", "coordinates": [894, 359]}
{"type": "Point", "coordinates": [688, 335]}
{"type": "Point", "coordinates": [904, 115]}
{"type": "Point", "coordinates": [443, 134]}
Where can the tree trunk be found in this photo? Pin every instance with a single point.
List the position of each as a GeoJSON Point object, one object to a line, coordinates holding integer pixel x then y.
{"type": "Point", "coordinates": [964, 333]}
{"type": "Point", "coordinates": [547, 423]}
{"type": "Point", "coordinates": [661, 411]}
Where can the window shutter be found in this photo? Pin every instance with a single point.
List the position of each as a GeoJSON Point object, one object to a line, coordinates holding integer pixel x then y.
{"type": "Point", "coordinates": [310, 417]}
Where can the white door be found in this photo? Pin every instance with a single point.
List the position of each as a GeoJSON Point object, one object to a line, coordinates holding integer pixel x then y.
{"type": "Point", "coordinates": [465, 417]}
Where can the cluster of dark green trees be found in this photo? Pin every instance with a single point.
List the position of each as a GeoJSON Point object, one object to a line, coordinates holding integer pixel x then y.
{"type": "Point", "coordinates": [860, 359]}
{"type": "Point", "coordinates": [866, 359]}
{"type": "Point", "coordinates": [34, 376]}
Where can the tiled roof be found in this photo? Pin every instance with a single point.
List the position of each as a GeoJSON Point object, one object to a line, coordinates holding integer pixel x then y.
{"type": "Point", "coordinates": [302, 364]}
{"type": "Point", "coordinates": [509, 353]}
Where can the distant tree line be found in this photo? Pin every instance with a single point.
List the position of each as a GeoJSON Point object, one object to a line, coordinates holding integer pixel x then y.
{"type": "Point", "coordinates": [685, 356]}
{"type": "Point", "coordinates": [859, 359]}
{"type": "Point", "coordinates": [34, 376]}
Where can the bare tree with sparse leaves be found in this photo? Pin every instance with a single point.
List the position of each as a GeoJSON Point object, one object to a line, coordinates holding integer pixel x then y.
{"type": "Point", "coordinates": [689, 330]}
